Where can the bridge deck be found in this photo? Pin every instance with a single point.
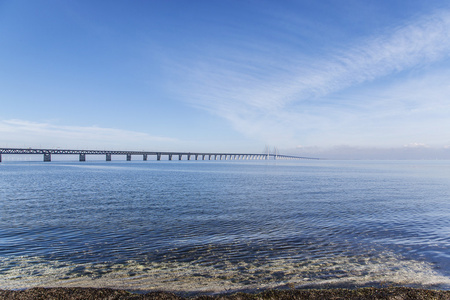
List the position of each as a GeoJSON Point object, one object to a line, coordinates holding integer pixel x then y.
{"type": "Point", "coordinates": [208, 155]}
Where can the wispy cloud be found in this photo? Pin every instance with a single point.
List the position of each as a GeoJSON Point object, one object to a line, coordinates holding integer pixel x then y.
{"type": "Point", "coordinates": [281, 98]}
{"type": "Point", "coordinates": [15, 132]}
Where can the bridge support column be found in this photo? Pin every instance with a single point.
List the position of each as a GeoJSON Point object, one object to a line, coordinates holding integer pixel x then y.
{"type": "Point", "coordinates": [108, 156]}
{"type": "Point", "coordinates": [144, 156]}
{"type": "Point", "coordinates": [170, 156]}
{"type": "Point", "coordinates": [209, 157]}
{"type": "Point", "coordinates": [188, 157]}
{"type": "Point", "coordinates": [47, 157]}
{"type": "Point", "coordinates": [203, 157]}
{"type": "Point", "coordinates": [196, 156]}
{"type": "Point", "coordinates": [0, 157]}
{"type": "Point", "coordinates": [158, 156]}
{"type": "Point", "coordinates": [128, 156]}
{"type": "Point", "coordinates": [82, 157]}
{"type": "Point", "coordinates": [179, 156]}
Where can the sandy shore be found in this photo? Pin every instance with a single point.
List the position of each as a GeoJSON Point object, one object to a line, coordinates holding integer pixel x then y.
{"type": "Point", "coordinates": [394, 293]}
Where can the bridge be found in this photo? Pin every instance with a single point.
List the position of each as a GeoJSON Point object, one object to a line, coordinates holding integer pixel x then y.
{"type": "Point", "coordinates": [47, 154]}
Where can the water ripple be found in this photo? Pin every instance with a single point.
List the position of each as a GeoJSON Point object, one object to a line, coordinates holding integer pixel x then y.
{"type": "Point", "coordinates": [224, 225]}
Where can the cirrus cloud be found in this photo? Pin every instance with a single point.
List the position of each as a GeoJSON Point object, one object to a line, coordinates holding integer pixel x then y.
{"type": "Point", "coordinates": [329, 99]}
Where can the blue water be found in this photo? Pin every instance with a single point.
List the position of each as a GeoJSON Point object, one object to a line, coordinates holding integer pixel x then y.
{"type": "Point", "coordinates": [220, 226]}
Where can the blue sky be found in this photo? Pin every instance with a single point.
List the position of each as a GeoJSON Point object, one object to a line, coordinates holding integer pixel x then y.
{"type": "Point", "coordinates": [310, 77]}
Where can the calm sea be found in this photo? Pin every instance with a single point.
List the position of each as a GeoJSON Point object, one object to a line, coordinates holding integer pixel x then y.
{"type": "Point", "coordinates": [223, 226]}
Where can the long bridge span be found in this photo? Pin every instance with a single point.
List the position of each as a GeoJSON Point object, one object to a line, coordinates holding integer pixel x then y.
{"type": "Point", "coordinates": [47, 154]}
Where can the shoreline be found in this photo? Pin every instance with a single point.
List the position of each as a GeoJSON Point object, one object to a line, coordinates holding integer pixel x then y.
{"type": "Point", "coordinates": [72, 293]}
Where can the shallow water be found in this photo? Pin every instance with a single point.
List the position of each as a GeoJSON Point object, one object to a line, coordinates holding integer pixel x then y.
{"type": "Point", "coordinates": [219, 226]}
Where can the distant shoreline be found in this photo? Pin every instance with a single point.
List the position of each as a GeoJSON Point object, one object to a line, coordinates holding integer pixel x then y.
{"type": "Point", "coordinates": [397, 293]}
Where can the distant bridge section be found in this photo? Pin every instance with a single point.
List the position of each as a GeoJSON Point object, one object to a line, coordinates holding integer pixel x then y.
{"type": "Point", "coordinates": [47, 154]}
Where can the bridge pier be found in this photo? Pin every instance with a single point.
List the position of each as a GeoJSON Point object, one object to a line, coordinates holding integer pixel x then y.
{"type": "Point", "coordinates": [144, 156]}
{"type": "Point", "coordinates": [47, 156]}
{"type": "Point", "coordinates": [203, 157]}
{"type": "Point", "coordinates": [179, 156]}
{"type": "Point", "coordinates": [170, 156]}
{"type": "Point", "coordinates": [108, 156]}
{"type": "Point", "coordinates": [128, 156]}
{"type": "Point", "coordinates": [158, 156]}
{"type": "Point", "coordinates": [0, 157]}
{"type": "Point", "coordinates": [188, 157]}
{"type": "Point", "coordinates": [82, 157]}
{"type": "Point", "coordinates": [196, 156]}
